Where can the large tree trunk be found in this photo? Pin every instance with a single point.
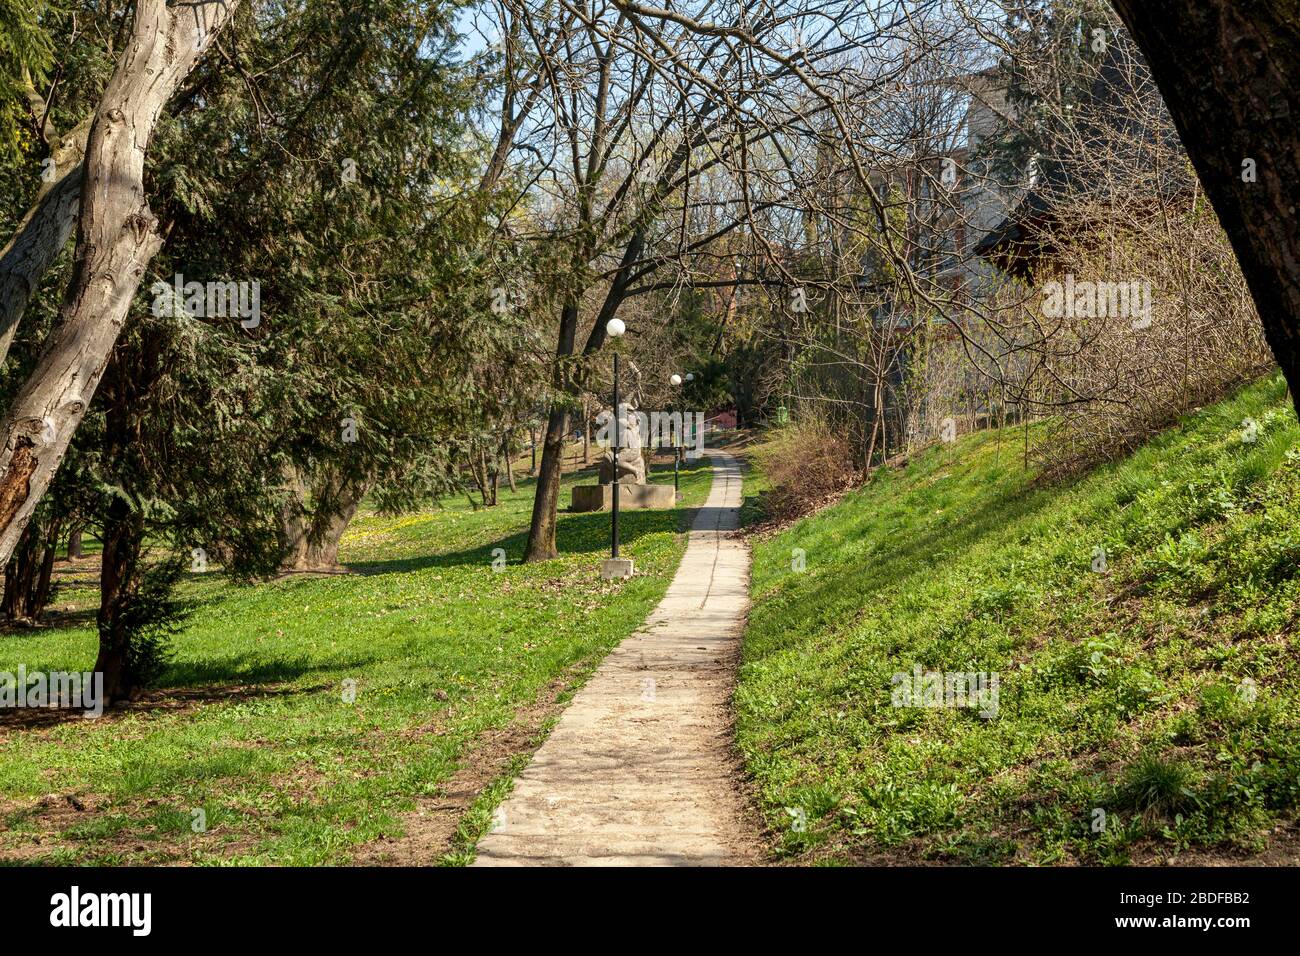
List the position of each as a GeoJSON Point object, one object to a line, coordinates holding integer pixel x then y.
{"type": "Point", "coordinates": [117, 237]}
{"type": "Point", "coordinates": [312, 535]}
{"type": "Point", "coordinates": [541, 532]}
{"type": "Point", "coordinates": [1230, 75]}
{"type": "Point", "coordinates": [546, 497]}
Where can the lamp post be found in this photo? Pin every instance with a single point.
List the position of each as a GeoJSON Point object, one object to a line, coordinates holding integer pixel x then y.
{"type": "Point", "coordinates": [615, 567]}
{"type": "Point", "coordinates": [676, 380]}
{"type": "Point", "coordinates": [690, 377]}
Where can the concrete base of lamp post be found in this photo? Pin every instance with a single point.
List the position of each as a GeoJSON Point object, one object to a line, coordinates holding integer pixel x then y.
{"type": "Point", "coordinates": [614, 568]}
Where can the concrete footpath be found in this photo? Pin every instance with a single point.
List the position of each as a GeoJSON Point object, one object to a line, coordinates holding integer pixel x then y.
{"type": "Point", "coordinates": [639, 770]}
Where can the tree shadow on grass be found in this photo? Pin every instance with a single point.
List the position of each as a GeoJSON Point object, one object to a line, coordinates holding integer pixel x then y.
{"type": "Point", "coordinates": [250, 669]}
{"type": "Point", "coordinates": [576, 533]}
{"type": "Point", "coordinates": [175, 696]}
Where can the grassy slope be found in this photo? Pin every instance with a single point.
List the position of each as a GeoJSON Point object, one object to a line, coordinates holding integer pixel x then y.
{"type": "Point", "coordinates": [441, 649]}
{"type": "Point", "coordinates": [1126, 691]}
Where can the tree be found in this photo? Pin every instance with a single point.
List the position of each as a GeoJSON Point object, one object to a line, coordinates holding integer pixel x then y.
{"type": "Point", "coordinates": [26, 54]}
{"type": "Point", "coordinates": [630, 109]}
{"type": "Point", "coordinates": [179, 460]}
{"type": "Point", "coordinates": [117, 237]}
{"type": "Point", "coordinates": [359, 207]}
{"type": "Point", "coordinates": [1230, 75]}
{"type": "Point", "coordinates": [51, 111]}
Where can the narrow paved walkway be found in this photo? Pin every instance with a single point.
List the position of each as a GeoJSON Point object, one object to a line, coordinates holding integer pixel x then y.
{"type": "Point", "coordinates": [639, 769]}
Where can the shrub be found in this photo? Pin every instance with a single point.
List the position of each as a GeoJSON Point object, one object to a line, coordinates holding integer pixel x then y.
{"type": "Point", "coordinates": [807, 465]}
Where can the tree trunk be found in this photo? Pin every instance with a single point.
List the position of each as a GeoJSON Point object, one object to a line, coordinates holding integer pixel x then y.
{"type": "Point", "coordinates": [586, 433]}
{"type": "Point", "coordinates": [541, 531]}
{"type": "Point", "coordinates": [41, 236]}
{"type": "Point", "coordinates": [44, 231]}
{"type": "Point", "coordinates": [487, 475]}
{"type": "Point", "coordinates": [117, 237]}
{"type": "Point", "coordinates": [74, 543]}
{"type": "Point", "coordinates": [123, 536]}
{"type": "Point", "coordinates": [478, 471]}
{"type": "Point", "coordinates": [1230, 75]}
{"type": "Point", "coordinates": [40, 595]}
{"type": "Point", "coordinates": [312, 538]}
{"type": "Point", "coordinates": [29, 574]}
{"type": "Point", "coordinates": [510, 465]}
{"type": "Point", "coordinates": [546, 497]}
{"type": "Point", "coordinates": [18, 576]}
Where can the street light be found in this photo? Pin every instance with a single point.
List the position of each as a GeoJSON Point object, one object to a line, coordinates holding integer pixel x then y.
{"type": "Point", "coordinates": [690, 377]}
{"type": "Point", "coordinates": [614, 567]}
{"type": "Point", "coordinates": [676, 380]}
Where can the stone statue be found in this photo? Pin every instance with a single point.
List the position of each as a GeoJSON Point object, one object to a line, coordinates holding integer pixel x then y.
{"type": "Point", "coordinates": [629, 465]}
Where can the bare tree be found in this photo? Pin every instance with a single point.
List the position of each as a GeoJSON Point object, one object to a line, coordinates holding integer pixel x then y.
{"type": "Point", "coordinates": [647, 131]}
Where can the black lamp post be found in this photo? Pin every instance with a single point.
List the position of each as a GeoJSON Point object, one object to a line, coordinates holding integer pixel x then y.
{"type": "Point", "coordinates": [615, 328]}
{"type": "Point", "coordinates": [690, 377]}
{"type": "Point", "coordinates": [676, 380]}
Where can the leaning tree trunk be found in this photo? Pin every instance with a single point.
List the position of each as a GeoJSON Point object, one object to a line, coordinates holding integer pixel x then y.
{"type": "Point", "coordinates": [1230, 75]}
{"type": "Point", "coordinates": [478, 471]}
{"type": "Point", "coordinates": [546, 496]}
{"type": "Point", "coordinates": [117, 237]}
{"type": "Point", "coordinates": [546, 500]}
{"type": "Point", "coordinates": [41, 235]}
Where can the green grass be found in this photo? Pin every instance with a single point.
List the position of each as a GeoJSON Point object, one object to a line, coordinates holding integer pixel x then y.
{"type": "Point", "coordinates": [1147, 710]}
{"type": "Point", "coordinates": [252, 725]}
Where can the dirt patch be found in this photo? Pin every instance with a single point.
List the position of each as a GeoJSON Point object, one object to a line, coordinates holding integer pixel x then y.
{"type": "Point", "coordinates": [56, 812]}
{"type": "Point", "coordinates": [430, 828]}
{"type": "Point", "coordinates": [1283, 849]}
